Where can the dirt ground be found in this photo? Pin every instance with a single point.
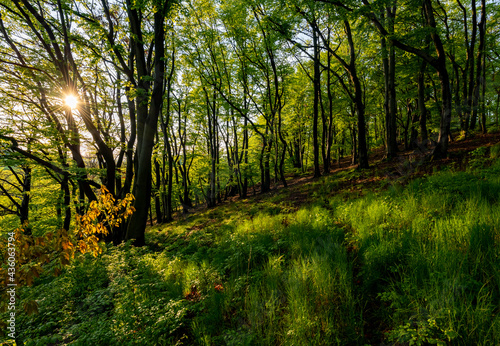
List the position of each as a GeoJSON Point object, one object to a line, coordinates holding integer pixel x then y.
{"type": "Point", "coordinates": [407, 165]}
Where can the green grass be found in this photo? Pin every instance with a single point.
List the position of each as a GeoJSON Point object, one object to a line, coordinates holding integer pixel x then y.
{"type": "Point", "coordinates": [417, 264]}
{"type": "Point", "coordinates": [429, 254]}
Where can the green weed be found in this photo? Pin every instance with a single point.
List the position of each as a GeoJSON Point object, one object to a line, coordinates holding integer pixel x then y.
{"type": "Point", "coordinates": [416, 264]}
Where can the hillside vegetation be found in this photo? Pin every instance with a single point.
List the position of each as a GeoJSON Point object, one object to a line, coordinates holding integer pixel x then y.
{"type": "Point", "coordinates": [249, 172]}
{"type": "Point", "coordinates": [393, 261]}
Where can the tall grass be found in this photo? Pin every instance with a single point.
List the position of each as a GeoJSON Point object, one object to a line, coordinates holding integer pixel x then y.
{"type": "Point", "coordinates": [296, 281]}
{"type": "Point", "coordinates": [416, 264]}
{"type": "Point", "coordinates": [430, 254]}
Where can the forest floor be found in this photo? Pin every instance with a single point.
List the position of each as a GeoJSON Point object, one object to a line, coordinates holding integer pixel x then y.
{"type": "Point", "coordinates": [406, 166]}
{"type": "Point", "coordinates": [352, 183]}
{"type": "Point", "coordinates": [405, 252]}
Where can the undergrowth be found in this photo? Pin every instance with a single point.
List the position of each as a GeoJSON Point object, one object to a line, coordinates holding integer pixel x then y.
{"type": "Point", "coordinates": [415, 264]}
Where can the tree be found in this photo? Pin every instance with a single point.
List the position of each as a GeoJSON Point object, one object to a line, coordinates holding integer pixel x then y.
{"type": "Point", "coordinates": [389, 63]}
{"type": "Point", "coordinates": [146, 75]}
{"type": "Point", "coordinates": [438, 63]}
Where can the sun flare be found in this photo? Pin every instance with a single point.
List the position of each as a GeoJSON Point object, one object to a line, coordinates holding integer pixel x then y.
{"type": "Point", "coordinates": [71, 101]}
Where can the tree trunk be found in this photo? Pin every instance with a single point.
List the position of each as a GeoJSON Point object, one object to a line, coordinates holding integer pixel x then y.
{"type": "Point", "coordinates": [147, 122]}
{"type": "Point", "coordinates": [328, 122]}
{"type": "Point", "coordinates": [479, 69]}
{"type": "Point", "coordinates": [283, 152]}
{"type": "Point", "coordinates": [244, 189]}
{"type": "Point", "coordinates": [446, 97]}
{"type": "Point", "coordinates": [24, 208]}
{"type": "Point", "coordinates": [354, 146]}
{"type": "Point", "coordinates": [413, 143]}
{"type": "Point", "coordinates": [389, 63]}
{"type": "Point", "coordinates": [317, 91]}
{"type": "Point", "coordinates": [158, 207]}
{"type": "Point", "coordinates": [266, 183]}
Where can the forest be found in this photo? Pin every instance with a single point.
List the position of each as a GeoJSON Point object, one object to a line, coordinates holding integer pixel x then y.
{"type": "Point", "coordinates": [250, 172]}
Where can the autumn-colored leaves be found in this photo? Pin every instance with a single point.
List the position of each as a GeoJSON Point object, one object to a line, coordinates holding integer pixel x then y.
{"type": "Point", "coordinates": [33, 253]}
{"type": "Point", "coordinates": [104, 215]}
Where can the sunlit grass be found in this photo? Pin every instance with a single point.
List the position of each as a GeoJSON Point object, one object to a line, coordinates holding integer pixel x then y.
{"type": "Point", "coordinates": [430, 252]}
{"type": "Point", "coordinates": [418, 263]}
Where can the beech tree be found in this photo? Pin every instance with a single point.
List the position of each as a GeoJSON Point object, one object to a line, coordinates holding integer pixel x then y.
{"type": "Point", "coordinates": [145, 72]}
{"type": "Point", "coordinates": [190, 103]}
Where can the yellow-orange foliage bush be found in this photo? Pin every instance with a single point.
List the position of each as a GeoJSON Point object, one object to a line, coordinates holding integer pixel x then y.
{"type": "Point", "coordinates": [104, 214]}
{"type": "Point", "coordinates": [59, 247]}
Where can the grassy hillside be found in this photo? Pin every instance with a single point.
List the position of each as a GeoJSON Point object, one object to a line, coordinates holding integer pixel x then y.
{"type": "Point", "coordinates": [402, 256]}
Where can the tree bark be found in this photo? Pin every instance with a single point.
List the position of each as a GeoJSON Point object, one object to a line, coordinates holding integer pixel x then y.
{"type": "Point", "coordinates": [421, 102]}
{"type": "Point", "coordinates": [317, 91]}
{"type": "Point", "coordinates": [147, 121]}
{"type": "Point", "coordinates": [389, 63]}
{"type": "Point", "coordinates": [479, 69]}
